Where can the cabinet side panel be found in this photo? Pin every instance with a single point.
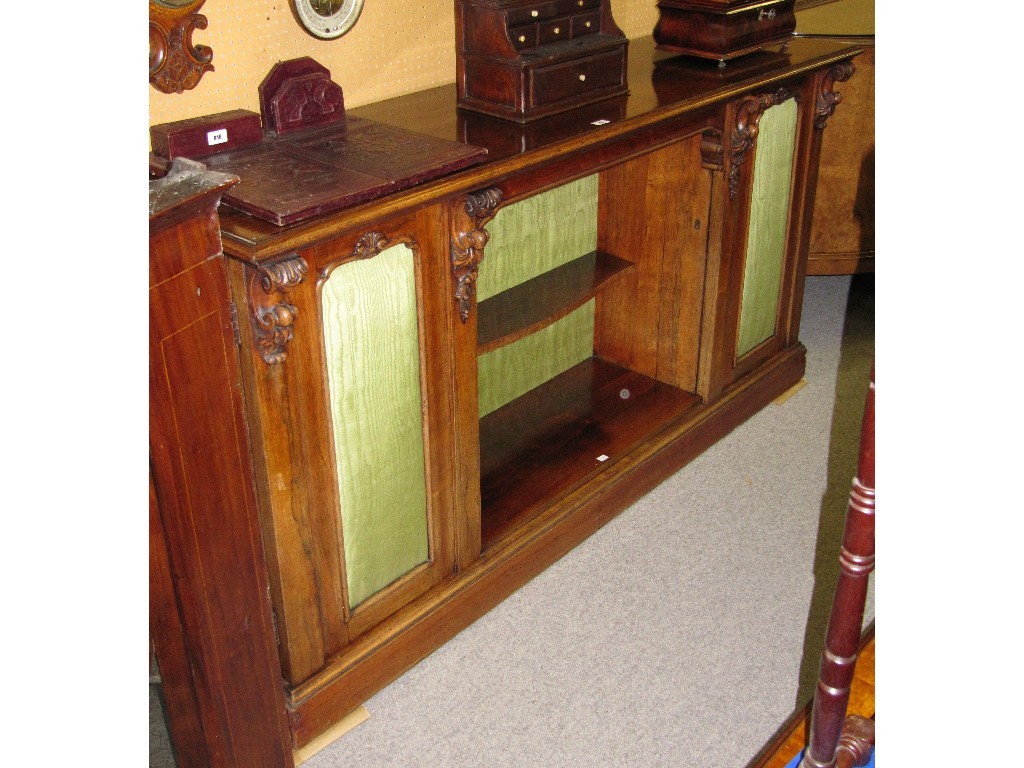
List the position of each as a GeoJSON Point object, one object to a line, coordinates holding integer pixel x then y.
{"type": "Point", "coordinates": [371, 339]}
{"type": "Point", "coordinates": [202, 486]}
{"type": "Point", "coordinates": [535, 235]}
{"type": "Point", "coordinates": [510, 371]}
{"type": "Point", "coordinates": [843, 226]}
{"type": "Point", "coordinates": [766, 236]}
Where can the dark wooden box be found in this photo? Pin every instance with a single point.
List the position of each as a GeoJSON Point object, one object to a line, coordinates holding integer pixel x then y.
{"type": "Point", "coordinates": [522, 59]}
{"type": "Point", "coordinates": [192, 138]}
{"type": "Point", "coordinates": [722, 29]}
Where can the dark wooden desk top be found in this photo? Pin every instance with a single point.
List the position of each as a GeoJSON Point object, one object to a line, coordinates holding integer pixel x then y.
{"type": "Point", "coordinates": [662, 86]}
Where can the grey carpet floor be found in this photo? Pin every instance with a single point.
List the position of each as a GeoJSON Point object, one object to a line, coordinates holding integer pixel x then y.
{"type": "Point", "coordinates": [685, 631]}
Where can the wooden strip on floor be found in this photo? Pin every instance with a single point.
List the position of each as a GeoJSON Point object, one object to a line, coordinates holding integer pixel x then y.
{"type": "Point", "coordinates": [332, 734]}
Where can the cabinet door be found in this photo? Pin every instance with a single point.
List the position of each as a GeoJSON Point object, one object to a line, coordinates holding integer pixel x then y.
{"type": "Point", "coordinates": [350, 406]}
{"type": "Point", "coordinates": [764, 254]}
{"type": "Point", "coordinates": [769, 149]}
{"type": "Point", "coordinates": [375, 353]}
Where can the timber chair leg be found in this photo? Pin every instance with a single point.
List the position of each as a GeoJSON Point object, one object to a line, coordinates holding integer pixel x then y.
{"type": "Point", "coordinates": [830, 743]}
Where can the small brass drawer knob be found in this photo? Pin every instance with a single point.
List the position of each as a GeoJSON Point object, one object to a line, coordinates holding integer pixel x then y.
{"type": "Point", "coordinates": [587, 25]}
{"type": "Point", "coordinates": [583, 78]}
{"type": "Point", "coordinates": [558, 31]}
{"type": "Point", "coordinates": [535, 14]}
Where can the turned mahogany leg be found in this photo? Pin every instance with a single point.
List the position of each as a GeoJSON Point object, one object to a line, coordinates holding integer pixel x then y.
{"type": "Point", "coordinates": [842, 638]}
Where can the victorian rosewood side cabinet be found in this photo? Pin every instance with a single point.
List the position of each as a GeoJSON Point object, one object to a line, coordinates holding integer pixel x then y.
{"type": "Point", "coordinates": [371, 426]}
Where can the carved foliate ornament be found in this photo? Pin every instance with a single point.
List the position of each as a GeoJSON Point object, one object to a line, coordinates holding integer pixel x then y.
{"type": "Point", "coordinates": [744, 134]}
{"type": "Point", "coordinates": [272, 320]}
{"type": "Point", "coordinates": [826, 100]}
{"type": "Point", "coordinates": [370, 245]}
{"type": "Point", "coordinates": [366, 247]}
{"type": "Point", "coordinates": [468, 241]}
{"type": "Point", "coordinates": [175, 64]}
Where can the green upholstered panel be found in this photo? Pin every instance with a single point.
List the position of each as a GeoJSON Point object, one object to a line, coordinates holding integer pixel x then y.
{"type": "Point", "coordinates": [371, 337]}
{"type": "Point", "coordinates": [510, 371]}
{"type": "Point", "coordinates": [527, 239]}
{"type": "Point", "coordinates": [539, 233]}
{"type": "Point", "coordinates": [766, 236]}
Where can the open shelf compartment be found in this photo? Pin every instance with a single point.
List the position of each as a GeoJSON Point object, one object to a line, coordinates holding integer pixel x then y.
{"type": "Point", "coordinates": [536, 303]}
{"type": "Point", "coordinates": [541, 446]}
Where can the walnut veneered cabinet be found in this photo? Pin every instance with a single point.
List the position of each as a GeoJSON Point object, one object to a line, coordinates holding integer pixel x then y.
{"type": "Point", "coordinates": [447, 388]}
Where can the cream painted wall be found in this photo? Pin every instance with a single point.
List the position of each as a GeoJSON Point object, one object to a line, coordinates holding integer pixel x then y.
{"type": "Point", "coordinates": [396, 47]}
{"type": "Point", "coordinates": [843, 17]}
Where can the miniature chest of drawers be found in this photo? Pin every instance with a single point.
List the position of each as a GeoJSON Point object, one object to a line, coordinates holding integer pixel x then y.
{"type": "Point", "coordinates": [523, 59]}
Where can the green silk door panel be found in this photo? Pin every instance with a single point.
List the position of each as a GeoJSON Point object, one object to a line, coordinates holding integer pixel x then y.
{"type": "Point", "coordinates": [537, 234]}
{"type": "Point", "coordinates": [766, 233]}
{"type": "Point", "coordinates": [371, 338]}
{"type": "Point", "coordinates": [527, 239]}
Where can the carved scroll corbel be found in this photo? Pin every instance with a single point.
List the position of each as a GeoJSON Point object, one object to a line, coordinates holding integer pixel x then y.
{"type": "Point", "coordinates": [744, 134]}
{"type": "Point", "coordinates": [826, 100]}
{"type": "Point", "coordinates": [272, 320]}
{"type": "Point", "coordinates": [468, 241]}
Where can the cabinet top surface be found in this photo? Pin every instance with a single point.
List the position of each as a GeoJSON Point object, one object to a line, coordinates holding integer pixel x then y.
{"type": "Point", "coordinates": [662, 86]}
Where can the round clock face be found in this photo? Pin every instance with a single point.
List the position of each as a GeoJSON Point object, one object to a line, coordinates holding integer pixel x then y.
{"type": "Point", "coordinates": [328, 19]}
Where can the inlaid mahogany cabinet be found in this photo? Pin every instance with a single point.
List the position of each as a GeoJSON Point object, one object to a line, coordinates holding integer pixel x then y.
{"type": "Point", "coordinates": [447, 388]}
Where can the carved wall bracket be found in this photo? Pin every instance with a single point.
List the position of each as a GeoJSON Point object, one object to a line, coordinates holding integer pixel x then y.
{"type": "Point", "coordinates": [744, 135]}
{"type": "Point", "coordinates": [468, 241]}
{"type": "Point", "coordinates": [826, 99]}
{"type": "Point", "coordinates": [272, 320]}
{"type": "Point", "coordinates": [175, 64]}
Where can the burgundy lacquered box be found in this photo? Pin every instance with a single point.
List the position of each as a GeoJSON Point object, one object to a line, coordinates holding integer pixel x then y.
{"type": "Point", "coordinates": [722, 29]}
{"type": "Point", "coordinates": [207, 135]}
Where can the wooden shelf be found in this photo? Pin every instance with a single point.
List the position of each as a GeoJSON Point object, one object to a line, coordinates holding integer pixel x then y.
{"type": "Point", "coordinates": [548, 442]}
{"type": "Point", "coordinates": [529, 306]}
